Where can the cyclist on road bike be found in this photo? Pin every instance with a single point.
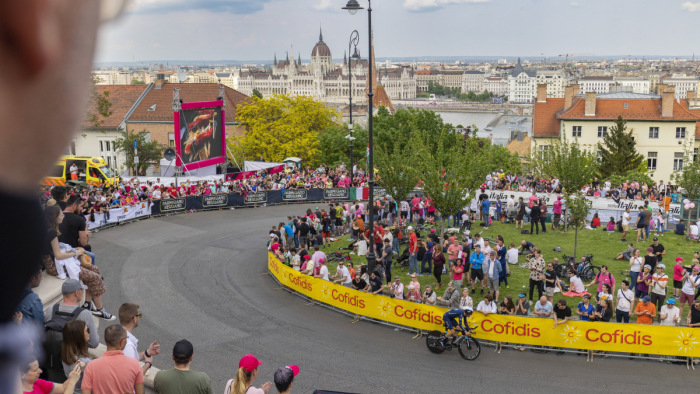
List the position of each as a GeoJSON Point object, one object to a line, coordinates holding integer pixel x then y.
{"type": "Point", "coordinates": [453, 319]}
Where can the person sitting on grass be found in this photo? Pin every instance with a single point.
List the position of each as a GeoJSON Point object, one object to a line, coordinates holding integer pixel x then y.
{"type": "Point", "coordinates": [526, 248]}
{"type": "Point", "coordinates": [576, 287]}
{"type": "Point", "coordinates": [626, 254]}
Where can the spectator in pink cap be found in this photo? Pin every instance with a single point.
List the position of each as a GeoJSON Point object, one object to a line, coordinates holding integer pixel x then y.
{"type": "Point", "coordinates": [245, 377]}
{"type": "Point", "coordinates": [284, 377]}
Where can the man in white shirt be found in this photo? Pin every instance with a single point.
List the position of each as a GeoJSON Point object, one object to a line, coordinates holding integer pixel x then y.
{"type": "Point", "coordinates": [670, 315]}
{"type": "Point", "coordinates": [323, 271]}
{"type": "Point", "coordinates": [625, 224]}
{"type": "Point", "coordinates": [487, 306]}
{"type": "Point", "coordinates": [129, 317]}
{"type": "Point", "coordinates": [397, 288]}
{"type": "Point", "coordinates": [343, 275]}
{"type": "Point", "coordinates": [624, 302]}
{"type": "Point", "coordinates": [510, 203]}
{"type": "Point", "coordinates": [512, 254]}
{"type": "Point", "coordinates": [478, 240]}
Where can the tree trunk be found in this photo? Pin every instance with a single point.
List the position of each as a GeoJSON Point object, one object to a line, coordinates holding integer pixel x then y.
{"type": "Point", "coordinates": [575, 240]}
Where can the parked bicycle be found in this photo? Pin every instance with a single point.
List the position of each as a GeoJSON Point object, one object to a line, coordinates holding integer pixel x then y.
{"type": "Point", "coordinates": [584, 269]}
{"type": "Point", "coordinates": [468, 346]}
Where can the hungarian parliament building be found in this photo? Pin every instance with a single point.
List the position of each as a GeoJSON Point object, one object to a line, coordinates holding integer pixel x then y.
{"type": "Point", "coordinates": [323, 79]}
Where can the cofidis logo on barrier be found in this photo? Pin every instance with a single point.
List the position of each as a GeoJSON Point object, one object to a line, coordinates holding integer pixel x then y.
{"type": "Point", "coordinates": [624, 338]}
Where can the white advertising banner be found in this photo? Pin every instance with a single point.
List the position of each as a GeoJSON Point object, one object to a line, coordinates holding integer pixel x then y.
{"type": "Point", "coordinates": [121, 214]}
{"type": "Point", "coordinates": [605, 207]}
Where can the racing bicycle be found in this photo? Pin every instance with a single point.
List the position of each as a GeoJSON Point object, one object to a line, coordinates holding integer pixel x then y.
{"type": "Point", "coordinates": [469, 348]}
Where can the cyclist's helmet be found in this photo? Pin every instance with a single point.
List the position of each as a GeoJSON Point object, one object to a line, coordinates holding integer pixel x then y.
{"type": "Point", "coordinates": [468, 311]}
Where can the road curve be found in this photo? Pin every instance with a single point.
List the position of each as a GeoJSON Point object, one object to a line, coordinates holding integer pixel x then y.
{"type": "Point", "coordinates": [200, 277]}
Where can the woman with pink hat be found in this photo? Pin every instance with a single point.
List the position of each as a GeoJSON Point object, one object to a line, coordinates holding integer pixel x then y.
{"type": "Point", "coordinates": [245, 377]}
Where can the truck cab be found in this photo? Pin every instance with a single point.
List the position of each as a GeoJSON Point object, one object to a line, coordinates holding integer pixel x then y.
{"type": "Point", "coordinates": [91, 170]}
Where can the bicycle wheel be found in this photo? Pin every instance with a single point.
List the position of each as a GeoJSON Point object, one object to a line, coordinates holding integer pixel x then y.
{"type": "Point", "coordinates": [433, 342]}
{"type": "Point", "coordinates": [469, 348]}
{"type": "Point", "coordinates": [594, 270]}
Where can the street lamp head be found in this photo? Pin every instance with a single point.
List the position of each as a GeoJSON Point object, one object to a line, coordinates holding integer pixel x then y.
{"type": "Point", "coordinates": [352, 6]}
{"type": "Point", "coordinates": [355, 55]}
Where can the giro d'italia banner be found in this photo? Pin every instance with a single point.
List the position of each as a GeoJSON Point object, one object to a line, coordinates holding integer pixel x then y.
{"type": "Point", "coordinates": [624, 338]}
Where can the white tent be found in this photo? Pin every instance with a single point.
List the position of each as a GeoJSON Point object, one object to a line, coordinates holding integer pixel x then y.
{"type": "Point", "coordinates": [259, 165]}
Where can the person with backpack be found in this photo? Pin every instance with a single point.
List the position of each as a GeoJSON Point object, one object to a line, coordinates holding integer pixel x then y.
{"type": "Point", "coordinates": [30, 307]}
{"type": "Point", "coordinates": [56, 318]}
{"type": "Point", "coordinates": [604, 277]}
{"type": "Point", "coordinates": [690, 280]}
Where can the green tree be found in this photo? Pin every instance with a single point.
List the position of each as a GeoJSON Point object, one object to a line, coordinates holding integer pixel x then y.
{"type": "Point", "coordinates": [633, 175]}
{"type": "Point", "coordinates": [283, 126]}
{"type": "Point", "coordinates": [577, 207]}
{"type": "Point", "coordinates": [335, 148]}
{"type": "Point", "coordinates": [618, 151]}
{"type": "Point", "coordinates": [395, 174]}
{"type": "Point", "coordinates": [257, 93]}
{"type": "Point", "coordinates": [137, 82]}
{"type": "Point", "coordinates": [689, 179]}
{"type": "Point", "coordinates": [571, 164]}
{"type": "Point", "coordinates": [452, 171]}
{"type": "Point", "coordinates": [99, 108]}
{"type": "Point", "coordinates": [574, 167]}
{"type": "Point", "coordinates": [149, 152]}
{"type": "Point", "coordinates": [397, 129]}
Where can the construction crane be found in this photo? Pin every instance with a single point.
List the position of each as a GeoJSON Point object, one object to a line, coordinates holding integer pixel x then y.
{"type": "Point", "coordinates": [566, 56]}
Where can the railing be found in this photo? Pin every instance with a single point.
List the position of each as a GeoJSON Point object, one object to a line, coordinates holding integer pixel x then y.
{"type": "Point", "coordinates": [673, 344]}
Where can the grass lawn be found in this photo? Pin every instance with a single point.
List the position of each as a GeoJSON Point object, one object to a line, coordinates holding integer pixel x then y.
{"type": "Point", "coordinates": [602, 245]}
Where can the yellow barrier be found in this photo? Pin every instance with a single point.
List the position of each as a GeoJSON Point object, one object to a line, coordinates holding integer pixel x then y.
{"type": "Point", "coordinates": [624, 338]}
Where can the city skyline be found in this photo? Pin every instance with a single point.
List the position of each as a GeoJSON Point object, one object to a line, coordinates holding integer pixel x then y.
{"type": "Point", "coordinates": [447, 28]}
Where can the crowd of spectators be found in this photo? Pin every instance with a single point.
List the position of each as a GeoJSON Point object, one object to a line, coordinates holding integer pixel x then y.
{"type": "Point", "coordinates": [630, 190]}
{"type": "Point", "coordinates": [472, 262]}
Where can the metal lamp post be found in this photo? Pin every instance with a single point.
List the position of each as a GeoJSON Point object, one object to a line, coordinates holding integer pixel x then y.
{"type": "Point", "coordinates": [352, 7]}
{"type": "Point", "coordinates": [354, 40]}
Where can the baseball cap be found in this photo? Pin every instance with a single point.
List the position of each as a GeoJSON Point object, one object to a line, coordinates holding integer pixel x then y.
{"type": "Point", "coordinates": [285, 375]}
{"type": "Point", "coordinates": [696, 268]}
{"type": "Point", "coordinates": [679, 259]}
{"type": "Point", "coordinates": [587, 296]}
{"type": "Point", "coordinates": [662, 266]}
{"type": "Point", "coordinates": [646, 298]}
{"type": "Point", "coordinates": [647, 266]}
{"type": "Point", "coordinates": [650, 249]}
{"type": "Point", "coordinates": [410, 287]}
{"type": "Point", "coordinates": [71, 285]}
{"type": "Point", "coordinates": [432, 230]}
{"type": "Point", "coordinates": [671, 301]}
{"type": "Point", "coordinates": [321, 260]}
{"type": "Point", "coordinates": [183, 349]}
{"type": "Point", "coordinates": [521, 295]}
{"type": "Point", "coordinates": [655, 239]}
{"type": "Point", "coordinates": [409, 228]}
{"type": "Point", "coordinates": [249, 363]}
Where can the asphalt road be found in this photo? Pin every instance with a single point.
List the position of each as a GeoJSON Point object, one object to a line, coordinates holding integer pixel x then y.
{"type": "Point", "coordinates": [200, 277]}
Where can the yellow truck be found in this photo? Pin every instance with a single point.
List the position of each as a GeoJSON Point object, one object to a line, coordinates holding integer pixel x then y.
{"type": "Point", "coordinates": [89, 169]}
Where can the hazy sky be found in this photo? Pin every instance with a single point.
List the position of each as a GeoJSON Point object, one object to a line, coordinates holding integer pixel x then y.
{"type": "Point", "coordinates": [256, 29]}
